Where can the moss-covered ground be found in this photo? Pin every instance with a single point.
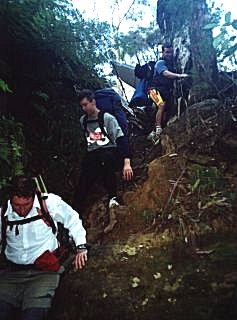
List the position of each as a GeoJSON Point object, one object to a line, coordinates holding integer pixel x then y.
{"type": "Point", "coordinates": [153, 278]}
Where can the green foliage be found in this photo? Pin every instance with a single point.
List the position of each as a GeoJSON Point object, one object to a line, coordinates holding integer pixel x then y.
{"type": "Point", "coordinates": [170, 16]}
{"type": "Point", "coordinates": [44, 29]}
{"type": "Point", "coordinates": [95, 43]}
{"type": "Point", "coordinates": [121, 45]}
{"type": "Point", "coordinates": [148, 215]}
{"type": "Point", "coordinates": [49, 48]}
{"type": "Point", "coordinates": [225, 41]}
{"type": "Point", "coordinates": [12, 144]}
{"type": "Point", "coordinates": [4, 86]}
{"type": "Point", "coordinates": [228, 18]}
{"type": "Point", "coordinates": [205, 179]}
{"type": "Point", "coordinates": [234, 24]}
{"type": "Point", "coordinates": [139, 43]}
{"type": "Point", "coordinates": [210, 26]}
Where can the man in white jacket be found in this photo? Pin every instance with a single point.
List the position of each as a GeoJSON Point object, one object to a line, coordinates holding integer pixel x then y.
{"type": "Point", "coordinates": [30, 247]}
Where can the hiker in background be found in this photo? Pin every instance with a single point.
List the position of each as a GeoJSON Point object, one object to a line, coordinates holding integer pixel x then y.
{"type": "Point", "coordinates": [107, 151]}
{"type": "Point", "coordinates": [30, 264]}
{"type": "Point", "coordinates": [160, 90]}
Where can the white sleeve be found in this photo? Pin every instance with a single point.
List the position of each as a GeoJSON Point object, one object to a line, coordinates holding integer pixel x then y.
{"type": "Point", "coordinates": [62, 212]}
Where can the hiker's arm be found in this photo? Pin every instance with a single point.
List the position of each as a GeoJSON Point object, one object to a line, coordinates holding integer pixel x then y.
{"type": "Point", "coordinates": [171, 75]}
{"type": "Point", "coordinates": [1, 225]}
{"type": "Point", "coordinates": [161, 68]}
{"type": "Point", "coordinates": [62, 212]}
{"type": "Point", "coordinates": [80, 259]}
{"type": "Point", "coordinates": [123, 146]}
{"type": "Point", "coordinates": [123, 149]}
{"type": "Point", "coordinates": [127, 169]}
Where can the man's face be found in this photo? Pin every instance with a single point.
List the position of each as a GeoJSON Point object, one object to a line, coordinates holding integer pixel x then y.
{"type": "Point", "coordinates": [168, 54]}
{"type": "Point", "coordinates": [88, 106]}
{"type": "Point", "coordinates": [22, 205]}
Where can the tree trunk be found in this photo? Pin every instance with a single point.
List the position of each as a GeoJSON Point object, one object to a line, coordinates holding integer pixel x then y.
{"type": "Point", "coordinates": [182, 22]}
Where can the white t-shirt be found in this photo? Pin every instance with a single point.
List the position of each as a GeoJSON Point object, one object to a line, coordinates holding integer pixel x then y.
{"type": "Point", "coordinates": [95, 138]}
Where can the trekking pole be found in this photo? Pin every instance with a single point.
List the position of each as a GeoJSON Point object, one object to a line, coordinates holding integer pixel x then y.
{"type": "Point", "coordinates": [42, 195]}
{"type": "Point", "coordinates": [43, 189]}
{"type": "Point", "coordinates": [120, 81]}
{"type": "Point", "coordinates": [138, 60]}
{"type": "Point", "coordinates": [41, 186]}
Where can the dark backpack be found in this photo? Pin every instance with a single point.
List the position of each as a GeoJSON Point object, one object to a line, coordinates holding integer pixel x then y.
{"type": "Point", "coordinates": [145, 74]}
{"type": "Point", "coordinates": [108, 100]}
{"type": "Point", "coordinates": [145, 71]}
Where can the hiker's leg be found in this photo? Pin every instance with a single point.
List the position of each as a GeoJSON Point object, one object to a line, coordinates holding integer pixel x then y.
{"type": "Point", "coordinates": [160, 115]}
{"type": "Point", "coordinates": [7, 311]}
{"type": "Point", "coordinates": [110, 164]}
{"type": "Point", "coordinates": [157, 98]}
{"type": "Point", "coordinates": [11, 293]}
{"type": "Point", "coordinates": [35, 314]}
{"type": "Point", "coordinates": [89, 173]}
{"type": "Point", "coordinates": [159, 102]}
{"type": "Point", "coordinates": [166, 96]}
{"type": "Point", "coordinates": [38, 295]}
{"type": "Point", "coordinates": [82, 190]}
{"type": "Point", "coordinates": [110, 182]}
{"type": "Point", "coordinates": [108, 172]}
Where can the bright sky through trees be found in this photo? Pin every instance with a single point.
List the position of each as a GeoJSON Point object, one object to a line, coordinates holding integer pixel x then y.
{"type": "Point", "coordinates": [124, 15]}
{"type": "Point", "coordinates": [113, 11]}
{"type": "Point", "coordinates": [227, 5]}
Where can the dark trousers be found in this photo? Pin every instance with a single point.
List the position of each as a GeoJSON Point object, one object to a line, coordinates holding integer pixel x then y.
{"type": "Point", "coordinates": [8, 311]}
{"type": "Point", "coordinates": [101, 165]}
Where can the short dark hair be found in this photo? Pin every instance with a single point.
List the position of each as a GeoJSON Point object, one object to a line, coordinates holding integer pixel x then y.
{"type": "Point", "coordinates": [86, 93]}
{"type": "Point", "coordinates": [166, 45]}
{"type": "Point", "coordinates": [22, 186]}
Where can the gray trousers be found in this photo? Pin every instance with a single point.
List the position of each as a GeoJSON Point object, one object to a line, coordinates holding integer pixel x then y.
{"type": "Point", "coordinates": [28, 288]}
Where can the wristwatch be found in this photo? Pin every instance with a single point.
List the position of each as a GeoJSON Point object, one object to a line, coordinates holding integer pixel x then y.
{"type": "Point", "coordinates": [81, 247]}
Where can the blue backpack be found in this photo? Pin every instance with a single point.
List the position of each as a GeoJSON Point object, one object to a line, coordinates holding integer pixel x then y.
{"type": "Point", "coordinates": [108, 100]}
{"type": "Point", "coordinates": [145, 75]}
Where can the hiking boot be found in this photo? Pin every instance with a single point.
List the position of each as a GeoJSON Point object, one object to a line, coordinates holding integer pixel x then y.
{"type": "Point", "coordinates": [113, 203]}
{"type": "Point", "coordinates": [156, 137]}
{"type": "Point", "coordinates": [151, 135]}
{"type": "Point", "coordinates": [158, 130]}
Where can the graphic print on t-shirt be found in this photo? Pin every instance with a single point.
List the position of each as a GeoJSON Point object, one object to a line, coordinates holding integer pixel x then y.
{"type": "Point", "coordinates": [97, 137]}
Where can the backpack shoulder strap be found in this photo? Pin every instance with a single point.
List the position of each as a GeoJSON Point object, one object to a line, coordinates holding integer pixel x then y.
{"type": "Point", "coordinates": [84, 122]}
{"type": "Point", "coordinates": [3, 227]}
{"type": "Point", "coordinates": [102, 125]}
{"type": "Point", "coordinates": [101, 122]}
{"type": "Point", "coordinates": [45, 213]}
